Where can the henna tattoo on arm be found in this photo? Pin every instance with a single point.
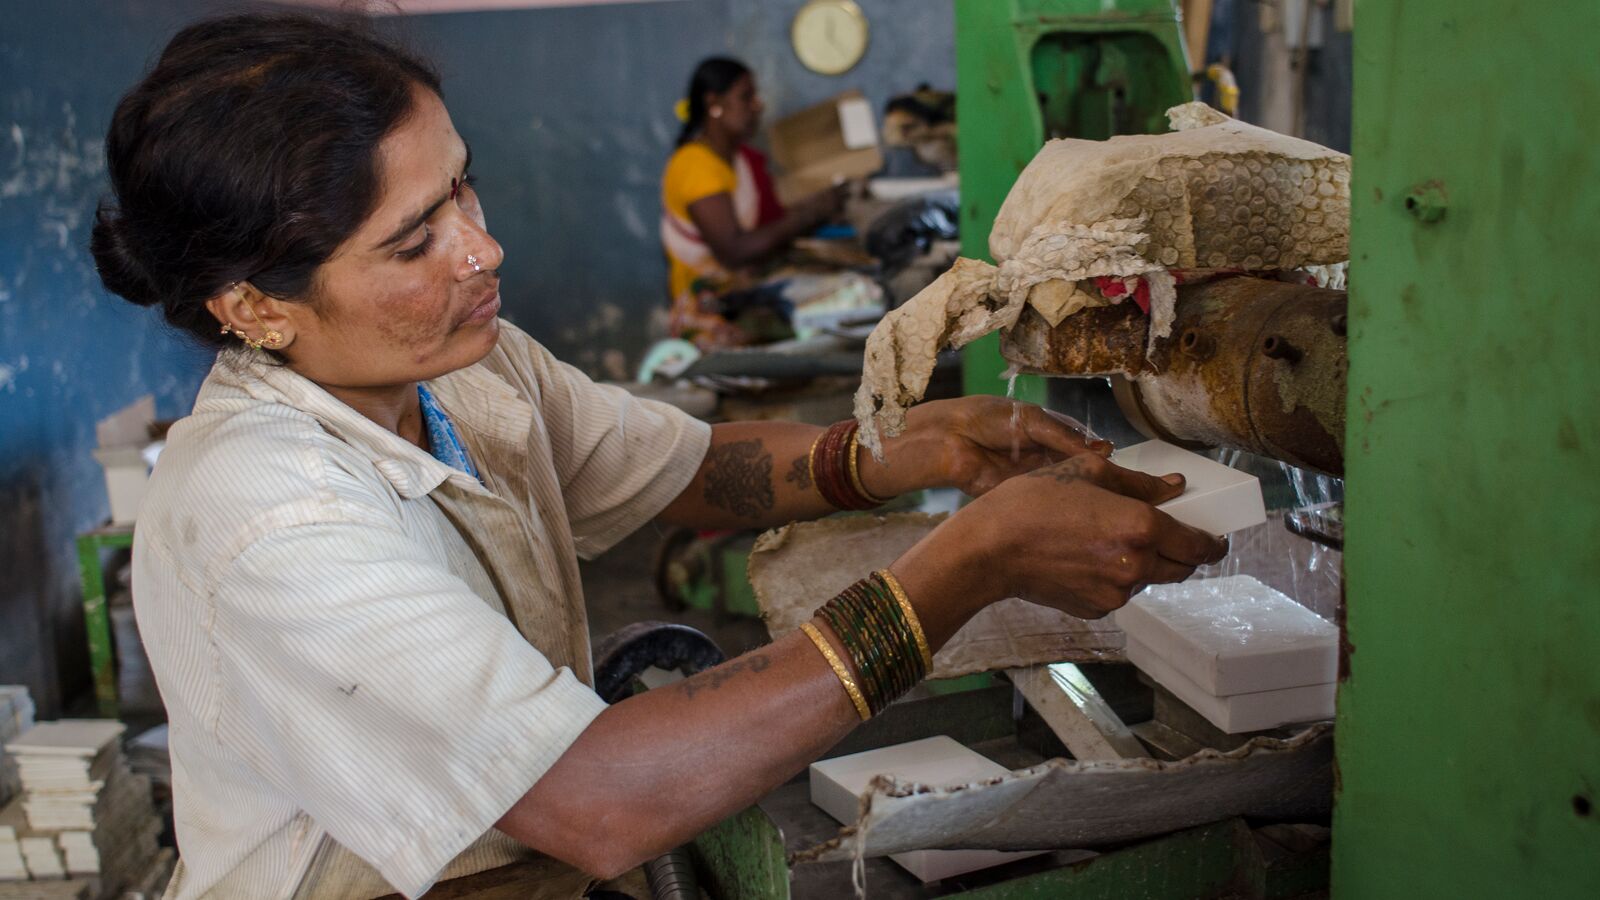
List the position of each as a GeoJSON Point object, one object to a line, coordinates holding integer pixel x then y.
{"type": "Point", "coordinates": [739, 478]}
{"type": "Point", "coordinates": [799, 473]}
{"type": "Point", "coordinates": [712, 679]}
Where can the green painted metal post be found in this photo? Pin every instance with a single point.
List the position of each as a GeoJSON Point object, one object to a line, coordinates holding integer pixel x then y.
{"type": "Point", "coordinates": [1469, 725]}
{"type": "Point", "coordinates": [1006, 130]}
{"type": "Point", "coordinates": [742, 858]}
{"type": "Point", "coordinates": [96, 615]}
{"type": "Point", "coordinates": [1029, 70]}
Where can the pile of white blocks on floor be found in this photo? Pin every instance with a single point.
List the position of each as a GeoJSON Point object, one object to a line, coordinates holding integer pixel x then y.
{"type": "Point", "coordinates": [83, 813]}
{"type": "Point", "coordinates": [1244, 656]}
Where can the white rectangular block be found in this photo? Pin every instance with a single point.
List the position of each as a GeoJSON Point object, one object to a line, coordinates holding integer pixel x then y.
{"type": "Point", "coordinates": [1215, 499]}
{"type": "Point", "coordinates": [1233, 635]}
{"type": "Point", "coordinates": [837, 785]}
{"type": "Point", "coordinates": [1240, 712]}
{"type": "Point", "coordinates": [81, 738]}
{"type": "Point", "coordinates": [42, 859]}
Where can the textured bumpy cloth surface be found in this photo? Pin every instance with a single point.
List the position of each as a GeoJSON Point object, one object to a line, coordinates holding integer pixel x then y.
{"type": "Point", "coordinates": [1214, 194]}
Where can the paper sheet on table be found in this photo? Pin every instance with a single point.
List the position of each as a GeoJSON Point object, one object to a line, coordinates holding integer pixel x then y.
{"type": "Point", "coordinates": [1062, 804]}
{"type": "Point", "coordinates": [797, 568]}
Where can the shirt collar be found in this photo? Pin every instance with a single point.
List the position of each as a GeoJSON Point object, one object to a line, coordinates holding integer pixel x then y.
{"type": "Point", "coordinates": [479, 402]}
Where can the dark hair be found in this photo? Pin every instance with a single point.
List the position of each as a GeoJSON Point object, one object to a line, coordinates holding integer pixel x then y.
{"type": "Point", "coordinates": [714, 75]}
{"type": "Point", "coordinates": [249, 153]}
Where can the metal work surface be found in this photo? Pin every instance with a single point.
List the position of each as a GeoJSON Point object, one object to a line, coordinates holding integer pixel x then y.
{"type": "Point", "coordinates": [1469, 725]}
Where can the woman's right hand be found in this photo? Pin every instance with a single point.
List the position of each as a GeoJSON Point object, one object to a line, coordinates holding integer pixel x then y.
{"type": "Point", "coordinates": [1081, 535]}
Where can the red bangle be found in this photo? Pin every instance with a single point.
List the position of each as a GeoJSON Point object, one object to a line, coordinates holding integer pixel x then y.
{"type": "Point", "coordinates": [830, 469]}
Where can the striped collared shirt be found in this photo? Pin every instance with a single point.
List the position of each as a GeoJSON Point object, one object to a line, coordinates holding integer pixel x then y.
{"type": "Point", "coordinates": [368, 656]}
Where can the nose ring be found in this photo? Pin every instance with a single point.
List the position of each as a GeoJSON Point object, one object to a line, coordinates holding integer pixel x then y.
{"type": "Point", "coordinates": [473, 262]}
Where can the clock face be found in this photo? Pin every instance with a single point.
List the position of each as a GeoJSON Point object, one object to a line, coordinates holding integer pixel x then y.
{"type": "Point", "coordinates": [830, 36]}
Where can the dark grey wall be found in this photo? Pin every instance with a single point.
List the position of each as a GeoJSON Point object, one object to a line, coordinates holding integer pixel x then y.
{"type": "Point", "coordinates": [569, 112]}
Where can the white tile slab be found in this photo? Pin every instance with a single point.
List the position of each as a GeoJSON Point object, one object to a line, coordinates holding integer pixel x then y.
{"type": "Point", "coordinates": [1233, 635]}
{"type": "Point", "coordinates": [837, 785]}
{"type": "Point", "coordinates": [1216, 499]}
{"type": "Point", "coordinates": [67, 737]}
{"type": "Point", "coordinates": [1239, 712]}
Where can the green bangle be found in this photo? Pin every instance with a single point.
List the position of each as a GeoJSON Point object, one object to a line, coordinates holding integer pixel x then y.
{"type": "Point", "coordinates": [905, 676]}
{"type": "Point", "coordinates": [839, 617]}
{"type": "Point", "coordinates": [880, 637]}
{"type": "Point", "coordinates": [894, 630]}
{"type": "Point", "coordinates": [878, 650]}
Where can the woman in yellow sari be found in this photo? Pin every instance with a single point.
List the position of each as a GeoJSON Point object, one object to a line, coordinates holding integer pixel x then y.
{"type": "Point", "coordinates": [720, 215]}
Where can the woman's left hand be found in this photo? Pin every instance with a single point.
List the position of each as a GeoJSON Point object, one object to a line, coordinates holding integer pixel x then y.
{"type": "Point", "coordinates": [974, 443]}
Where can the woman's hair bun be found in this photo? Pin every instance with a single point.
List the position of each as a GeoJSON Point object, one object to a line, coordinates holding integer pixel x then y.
{"type": "Point", "coordinates": [117, 259]}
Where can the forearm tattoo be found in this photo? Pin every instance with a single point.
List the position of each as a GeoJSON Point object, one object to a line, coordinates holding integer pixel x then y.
{"type": "Point", "coordinates": [739, 478]}
{"type": "Point", "coordinates": [799, 473]}
{"type": "Point", "coordinates": [714, 678]}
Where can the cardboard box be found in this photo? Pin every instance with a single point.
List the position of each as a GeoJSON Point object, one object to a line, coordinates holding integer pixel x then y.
{"type": "Point", "coordinates": [1216, 499]}
{"type": "Point", "coordinates": [820, 145]}
{"type": "Point", "coordinates": [837, 784]}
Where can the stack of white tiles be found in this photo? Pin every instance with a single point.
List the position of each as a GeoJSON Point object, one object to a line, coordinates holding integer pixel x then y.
{"type": "Point", "coordinates": [21, 847]}
{"type": "Point", "coordinates": [86, 814]}
{"type": "Point", "coordinates": [1244, 656]}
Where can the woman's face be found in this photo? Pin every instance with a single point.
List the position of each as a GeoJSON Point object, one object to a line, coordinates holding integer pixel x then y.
{"type": "Point", "coordinates": [741, 108]}
{"type": "Point", "coordinates": [400, 301]}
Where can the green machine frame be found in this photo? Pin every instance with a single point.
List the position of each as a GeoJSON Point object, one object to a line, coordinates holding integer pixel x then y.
{"type": "Point", "coordinates": [1469, 723]}
{"type": "Point", "coordinates": [1028, 71]}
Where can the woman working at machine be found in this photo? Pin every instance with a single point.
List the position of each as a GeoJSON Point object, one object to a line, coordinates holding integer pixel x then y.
{"type": "Point", "coordinates": [720, 215]}
{"type": "Point", "coordinates": [356, 567]}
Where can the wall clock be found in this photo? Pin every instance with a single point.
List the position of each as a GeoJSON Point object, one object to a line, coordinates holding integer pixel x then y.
{"type": "Point", "coordinates": [829, 36]}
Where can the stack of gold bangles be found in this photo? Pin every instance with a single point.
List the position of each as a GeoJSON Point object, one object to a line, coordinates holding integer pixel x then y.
{"type": "Point", "coordinates": [835, 468]}
{"type": "Point", "coordinates": [881, 635]}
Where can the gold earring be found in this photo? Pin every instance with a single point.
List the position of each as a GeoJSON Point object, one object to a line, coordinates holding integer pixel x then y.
{"type": "Point", "coordinates": [272, 338]}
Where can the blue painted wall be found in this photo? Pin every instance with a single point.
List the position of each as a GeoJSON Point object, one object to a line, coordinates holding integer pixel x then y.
{"type": "Point", "coordinates": [69, 353]}
{"type": "Point", "coordinates": [569, 112]}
